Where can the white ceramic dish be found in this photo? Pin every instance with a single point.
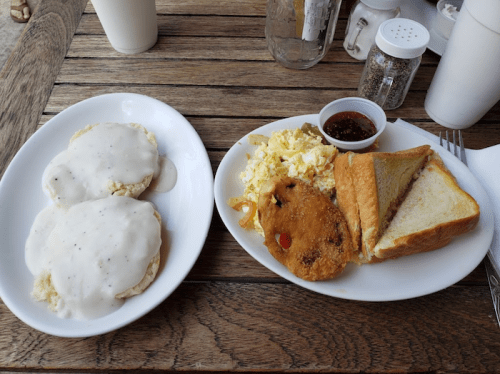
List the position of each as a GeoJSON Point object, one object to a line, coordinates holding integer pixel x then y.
{"type": "Point", "coordinates": [186, 210]}
{"type": "Point", "coordinates": [442, 24]}
{"type": "Point", "coordinates": [404, 278]}
{"type": "Point", "coordinates": [353, 104]}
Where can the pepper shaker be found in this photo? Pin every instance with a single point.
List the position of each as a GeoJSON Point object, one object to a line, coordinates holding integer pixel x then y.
{"type": "Point", "coordinates": [365, 18]}
{"type": "Point", "coordinates": [393, 62]}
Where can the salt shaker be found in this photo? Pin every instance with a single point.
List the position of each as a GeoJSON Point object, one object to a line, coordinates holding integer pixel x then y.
{"type": "Point", "coordinates": [365, 18]}
{"type": "Point", "coordinates": [393, 62]}
{"type": "Point", "coordinates": [300, 32]}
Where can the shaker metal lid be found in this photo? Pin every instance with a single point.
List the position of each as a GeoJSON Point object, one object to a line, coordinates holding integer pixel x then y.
{"type": "Point", "coordinates": [382, 4]}
{"type": "Point", "coordinates": [402, 38]}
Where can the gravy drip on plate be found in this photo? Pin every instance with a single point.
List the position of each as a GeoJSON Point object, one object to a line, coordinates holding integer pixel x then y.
{"type": "Point", "coordinates": [166, 177]}
{"type": "Point", "coordinates": [108, 152]}
{"type": "Point", "coordinates": [93, 251]}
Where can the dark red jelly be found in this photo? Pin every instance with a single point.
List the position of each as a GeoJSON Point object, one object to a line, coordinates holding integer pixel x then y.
{"type": "Point", "coordinates": [349, 126]}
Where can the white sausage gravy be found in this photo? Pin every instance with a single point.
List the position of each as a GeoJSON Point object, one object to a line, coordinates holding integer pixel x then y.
{"type": "Point", "coordinates": [92, 252]}
{"type": "Point", "coordinates": [97, 244]}
{"type": "Point", "coordinates": [104, 159]}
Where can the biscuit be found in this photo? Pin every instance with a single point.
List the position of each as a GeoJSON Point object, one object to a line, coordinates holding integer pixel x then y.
{"type": "Point", "coordinates": [44, 289]}
{"type": "Point", "coordinates": [112, 160]}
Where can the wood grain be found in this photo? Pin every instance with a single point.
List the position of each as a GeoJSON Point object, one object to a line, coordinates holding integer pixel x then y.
{"type": "Point", "coordinates": [188, 34]}
{"type": "Point", "coordinates": [223, 7]}
{"type": "Point", "coordinates": [222, 326]}
{"type": "Point", "coordinates": [232, 314]}
{"type": "Point", "coordinates": [27, 77]}
{"type": "Point", "coordinates": [190, 25]}
{"type": "Point", "coordinates": [219, 73]}
{"type": "Point", "coordinates": [226, 101]}
{"type": "Point", "coordinates": [206, 7]}
{"type": "Point", "coordinates": [242, 101]}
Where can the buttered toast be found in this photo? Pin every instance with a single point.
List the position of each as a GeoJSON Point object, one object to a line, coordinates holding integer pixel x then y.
{"type": "Point", "coordinates": [401, 203]}
{"type": "Point", "coordinates": [346, 199]}
{"type": "Point", "coordinates": [380, 180]}
{"type": "Point", "coordinates": [435, 210]}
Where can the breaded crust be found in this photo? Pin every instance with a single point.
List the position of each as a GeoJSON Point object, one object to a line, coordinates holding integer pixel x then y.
{"type": "Point", "coordinates": [321, 244]}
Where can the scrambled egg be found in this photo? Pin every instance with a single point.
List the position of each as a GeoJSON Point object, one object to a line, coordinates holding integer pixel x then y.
{"type": "Point", "coordinates": [293, 153]}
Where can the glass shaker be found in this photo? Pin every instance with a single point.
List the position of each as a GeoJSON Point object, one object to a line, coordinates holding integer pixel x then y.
{"type": "Point", "coordinates": [393, 62]}
{"type": "Point", "coordinates": [365, 18]}
{"type": "Point", "coordinates": [300, 32]}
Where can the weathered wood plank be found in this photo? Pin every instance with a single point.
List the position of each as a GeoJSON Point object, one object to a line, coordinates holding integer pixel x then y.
{"type": "Point", "coordinates": [176, 48]}
{"type": "Point", "coordinates": [277, 327]}
{"type": "Point", "coordinates": [194, 25]}
{"type": "Point", "coordinates": [206, 7]}
{"type": "Point", "coordinates": [243, 102]}
{"type": "Point", "coordinates": [199, 25]}
{"type": "Point", "coordinates": [219, 73]}
{"type": "Point", "coordinates": [222, 7]}
{"type": "Point", "coordinates": [202, 72]}
{"type": "Point", "coordinates": [210, 47]}
{"type": "Point", "coordinates": [28, 75]}
{"type": "Point", "coordinates": [225, 101]}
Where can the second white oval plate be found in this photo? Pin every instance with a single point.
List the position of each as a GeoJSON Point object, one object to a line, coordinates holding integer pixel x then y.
{"type": "Point", "coordinates": [403, 278]}
{"type": "Point", "coordinates": [186, 210]}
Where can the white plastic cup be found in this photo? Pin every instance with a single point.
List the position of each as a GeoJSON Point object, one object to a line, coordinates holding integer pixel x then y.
{"type": "Point", "coordinates": [130, 25]}
{"type": "Point", "coordinates": [466, 84]}
{"type": "Point", "coordinates": [442, 24]}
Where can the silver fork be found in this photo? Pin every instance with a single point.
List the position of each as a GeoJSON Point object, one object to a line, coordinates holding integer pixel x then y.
{"type": "Point", "coordinates": [456, 148]}
{"type": "Point", "coordinates": [491, 272]}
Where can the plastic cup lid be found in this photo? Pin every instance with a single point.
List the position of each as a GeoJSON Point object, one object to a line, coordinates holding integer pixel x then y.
{"type": "Point", "coordinates": [382, 4]}
{"type": "Point", "coordinates": [486, 12]}
{"type": "Point", "coordinates": [402, 38]}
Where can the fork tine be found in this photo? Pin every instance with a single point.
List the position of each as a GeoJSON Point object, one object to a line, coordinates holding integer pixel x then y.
{"type": "Point", "coordinates": [455, 149]}
{"type": "Point", "coordinates": [462, 148]}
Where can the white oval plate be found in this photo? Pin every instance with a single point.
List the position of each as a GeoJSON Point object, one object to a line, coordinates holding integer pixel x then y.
{"type": "Point", "coordinates": [403, 278]}
{"type": "Point", "coordinates": [186, 210]}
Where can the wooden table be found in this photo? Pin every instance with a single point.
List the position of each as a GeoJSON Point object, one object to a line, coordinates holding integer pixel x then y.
{"type": "Point", "coordinates": [231, 313]}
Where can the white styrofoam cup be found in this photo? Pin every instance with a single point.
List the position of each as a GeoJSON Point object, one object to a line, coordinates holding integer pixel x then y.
{"type": "Point", "coordinates": [130, 25]}
{"type": "Point", "coordinates": [466, 84]}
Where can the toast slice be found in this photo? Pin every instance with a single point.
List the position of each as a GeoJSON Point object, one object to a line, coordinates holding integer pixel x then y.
{"type": "Point", "coordinates": [346, 199]}
{"type": "Point", "coordinates": [434, 211]}
{"type": "Point", "coordinates": [381, 180]}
